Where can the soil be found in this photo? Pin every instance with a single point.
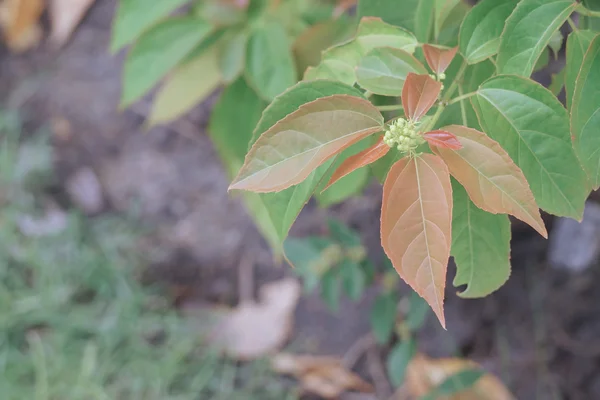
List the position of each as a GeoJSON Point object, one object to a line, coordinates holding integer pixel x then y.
{"type": "Point", "coordinates": [539, 332]}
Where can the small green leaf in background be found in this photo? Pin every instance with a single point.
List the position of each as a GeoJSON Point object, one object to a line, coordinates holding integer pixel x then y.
{"type": "Point", "coordinates": [455, 384]}
{"type": "Point", "coordinates": [398, 360]}
{"type": "Point", "coordinates": [527, 33]}
{"type": "Point", "coordinates": [578, 43]}
{"type": "Point", "coordinates": [232, 55]}
{"type": "Point", "coordinates": [348, 186]}
{"type": "Point", "coordinates": [480, 246]}
{"type": "Point", "coordinates": [533, 127]}
{"type": "Point", "coordinates": [417, 312]}
{"type": "Point", "coordinates": [303, 255]}
{"type": "Point", "coordinates": [383, 316]}
{"type": "Point", "coordinates": [480, 31]}
{"type": "Point", "coordinates": [330, 289]}
{"type": "Point", "coordinates": [384, 70]}
{"type": "Point", "coordinates": [353, 279]}
{"type": "Point", "coordinates": [557, 82]}
{"type": "Point", "coordinates": [187, 86]}
{"type": "Point", "coordinates": [556, 42]}
{"type": "Point", "coordinates": [390, 12]}
{"type": "Point", "coordinates": [424, 18]}
{"type": "Point", "coordinates": [158, 51]}
{"type": "Point", "coordinates": [270, 66]}
{"type": "Point", "coordinates": [585, 114]}
{"type": "Point", "coordinates": [342, 233]}
{"type": "Point", "coordinates": [133, 17]}
{"type": "Point", "coordinates": [593, 5]}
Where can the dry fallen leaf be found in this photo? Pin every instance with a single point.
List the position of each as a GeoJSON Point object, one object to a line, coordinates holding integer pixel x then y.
{"type": "Point", "coordinates": [323, 376]}
{"type": "Point", "coordinates": [65, 15]}
{"type": "Point", "coordinates": [424, 374]}
{"type": "Point", "coordinates": [20, 23]}
{"type": "Point", "coordinates": [252, 330]}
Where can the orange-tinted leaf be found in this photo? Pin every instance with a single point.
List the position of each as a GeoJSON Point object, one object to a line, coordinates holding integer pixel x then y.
{"type": "Point", "coordinates": [292, 148]}
{"type": "Point", "coordinates": [441, 138]}
{"type": "Point", "coordinates": [359, 160]}
{"type": "Point", "coordinates": [418, 95]}
{"type": "Point", "coordinates": [494, 182]}
{"type": "Point", "coordinates": [416, 216]}
{"type": "Point", "coordinates": [438, 59]}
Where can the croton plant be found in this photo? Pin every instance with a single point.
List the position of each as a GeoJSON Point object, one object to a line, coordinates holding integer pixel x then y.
{"type": "Point", "coordinates": [470, 137]}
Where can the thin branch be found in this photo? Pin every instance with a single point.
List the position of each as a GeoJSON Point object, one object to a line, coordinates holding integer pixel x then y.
{"type": "Point", "coordinates": [461, 97]}
{"type": "Point", "coordinates": [392, 107]}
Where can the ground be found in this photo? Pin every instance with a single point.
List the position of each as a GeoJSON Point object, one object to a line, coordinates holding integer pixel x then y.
{"type": "Point", "coordinates": [538, 333]}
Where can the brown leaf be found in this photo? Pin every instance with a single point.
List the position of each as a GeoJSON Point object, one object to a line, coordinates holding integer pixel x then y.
{"type": "Point", "coordinates": [441, 138]}
{"type": "Point", "coordinates": [418, 95]}
{"type": "Point", "coordinates": [65, 15]}
{"type": "Point", "coordinates": [359, 160]}
{"type": "Point", "coordinates": [494, 182]}
{"type": "Point", "coordinates": [416, 216]}
{"type": "Point", "coordinates": [20, 23]}
{"type": "Point", "coordinates": [424, 374]}
{"type": "Point", "coordinates": [292, 148]}
{"type": "Point", "coordinates": [323, 376]}
{"type": "Point", "coordinates": [252, 330]}
{"type": "Point", "coordinates": [438, 59]}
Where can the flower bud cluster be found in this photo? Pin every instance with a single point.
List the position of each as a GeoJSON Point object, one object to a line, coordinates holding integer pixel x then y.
{"type": "Point", "coordinates": [404, 135]}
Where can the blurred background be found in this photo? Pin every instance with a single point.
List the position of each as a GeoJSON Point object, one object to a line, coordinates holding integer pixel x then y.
{"type": "Point", "coordinates": [128, 272]}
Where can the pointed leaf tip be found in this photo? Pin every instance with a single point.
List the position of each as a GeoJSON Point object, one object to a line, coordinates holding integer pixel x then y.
{"type": "Point", "coordinates": [419, 94]}
{"type": "Point", "coordinates": [437, 58]}
{"type": "Point", "coordinates": [441, 138]}
{"type": "Point", "coordinates": [416, 215]}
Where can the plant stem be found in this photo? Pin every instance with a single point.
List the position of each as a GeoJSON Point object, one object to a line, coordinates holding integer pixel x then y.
{"type": "Point", "coordinates": [461, 97]}
{"type": "Point", "coordinates": [392, 107]}
{"type": "Point", "coordinates": [463, 112]}
{"type": "Point", "coordinates": [444, 102]}
{"type": "Point", "coordinates": [588, 13]}
{"type": "Point", "coordinates": [572, 24]}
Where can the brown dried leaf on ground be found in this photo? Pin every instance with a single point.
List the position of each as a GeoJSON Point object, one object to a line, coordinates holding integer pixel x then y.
{"type": "Point", "coordinates": [65, 15]}
{"type": "Point", "coordinates": [19, 20]}
{"type": "Point", "coordinates": [323, 376]}
{"type": "Point", "coordinates": [252, 329]}
{"type": "Point", "coordinates": [424, 374]}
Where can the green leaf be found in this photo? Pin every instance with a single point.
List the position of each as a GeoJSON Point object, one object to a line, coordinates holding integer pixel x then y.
{"type": "Point", "coordinates": [183, 89]}
{"type": "Point", "coordinates": [480, 246]}
{"type": "Point", "coordinates": [480, 31]}
{"type": "Point", "coordinates": [232, 55]}
{"type": "Point", "coordinates": [330, 289]}
{"type": "Point", "coordinates": [533, 127]}
{"type": "Point", "coordinates": [593, 5]}
{"type": "Point", "coordinates": [424, 17]}
{"type": "Point", "coordinates": [585, 114]}
{"type": "Point", "coordinates": [283, 207]}
{"type": "Point", "coordinates": [556, 42]}
{"type": "Point", "coordinates": [230, 130]}
{"type": "Point", "coordinates": [373, 33]}
{"type": "Point", "coordinates": [543, 61]}
{"type": "Point", "coordinates": [417, 312]}
{"type": "Point", "coordinates": [398, 360]}
{"type": "Point", "coordinates": [578, 43]}
{"type": "Point", "coordinates": [303, 255]}
{"type": "Point", "coordinates": [381, 167]}
{"type": "Point", "coordinates": [383, 317]}
{"type": "Point", "coordinates": [449, 31]}
{"type": "Point", "coordinates": [528, 31]}
{"type": "Point", "coordinates": [390, 12]}
{"type": "Point", "coordinates": [133, 17]}
{"type": "Point", "coordinates": [353, 279]}
{"type": "Point", "coordinates": [384, 70]}
{"type": "Point", "coordinates": [455, 384]}
{"type": "Point", "coordinates": [557, 82]}
{"type": "Point", "coordinates": [443, 8]}
{"type": "Point", "coordinates": [270, 66]}
{"type": "Point", "coordinates": [157, 51]}
{"type": "Point", "coordinates": [346, 187]}
{"type": "Point", "coordinates": [342, 233]}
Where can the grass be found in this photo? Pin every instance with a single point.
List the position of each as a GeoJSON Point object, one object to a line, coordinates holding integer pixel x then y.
{"type": "Point", "coordinates": [74, 321]}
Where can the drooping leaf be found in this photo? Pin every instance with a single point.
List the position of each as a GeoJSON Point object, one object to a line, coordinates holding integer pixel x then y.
{"type": "Point", "coordinates": [416, 216]}
{"type": "Point", "coordinates": [441, 138]}
{"type": "Point", "coordinates": [424, 19]}
{"type": "Point", "coordinates": [353, 279]}
{"type": "Point", "coordinates": [493, 181]}
{"type": "Point", "coordinates": [438, 59]}
{"type": "Point", "coordinates": [533, 127]}
{"type": "Point", "coordinates": [578, 43]}
{"type": "Point", "coordinates": [389, 11]}
{"type": "Point", "coordinates": [359, 160]}
{"type": "Point", "coordinates": [528, 31]}
{"type": "Point", "coordinates": [480, 31]}
{"type": "Point", "coordinates": [556, 42]}
{"type": "Point", "coordinates": [419, 94]}
{"type": "Point", "coordinates": [557, 82]}
{"type": "Point", "coordinates": [270, 66]}
{"type": "Point", "coordinates": [187, 86]}
{"type": "Point", "coordinates": [383, 316]}
{"type": "Point", "coordinates": [480, 246]}
{"type": "Point", "coordinates": [442, 11]}
{"type": "Point", "coordinates": [384, 70]}
{"type": "Point", "coordinates": [157, 51]}
{"type": "Point", "coordinates": [449, 30]}
{"type": "Point", "coordinates": [133, 17]}
{"type": "Point", "coordinates": [230, 129]}
{"type": "Point", "coordinates": [232, 55]}
{"type": "Point", "coordinates": [288, 152]}
{"type": "Point", "coordinates": [585, 114]}
{"type": "Point", "coordinates": [398, 360]}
